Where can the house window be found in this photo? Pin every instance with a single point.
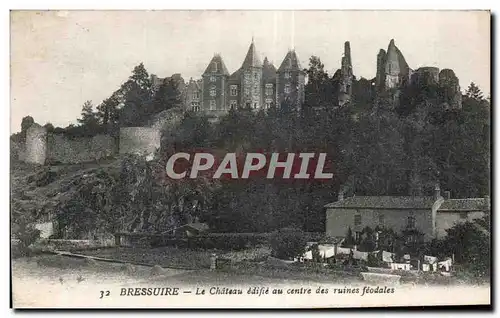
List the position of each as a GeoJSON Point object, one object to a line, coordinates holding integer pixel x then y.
{"type": "Point", "coordinates": [247, 91]}
{"type": "Point", "coordinates": [287, 74]}
{"type": "Point", "coordinates": [255, 105]}
{"type": "Point", "coordinates": [212, 79]}
{"type": "Point", "coordinates": [411, 221]}
{"type": "Point", "coordinates": [212, 104]}
{"type": "Point", "coordinates": [357, 219]}
{"type": "Point", "coordinates": [233, 104]}
{"type": "Point", "coordinates": [213, 92]}
{"type": "Point", "coordinates": [196, 95]}
{"type": "Point", "coordinates": [269, 102]}
{"type": "Point", "coordinates": [381, 219]}
{"type": "Point", "coordinates": [234, 90]}
{"type": "Point", "coordinates": [463, 215]}
{"type": "Point", "coordinates": [287, 89]}
{"type": "Point", "coordinates": [195, 106]}
{"type": "Point", "coordinates": [269, 89]}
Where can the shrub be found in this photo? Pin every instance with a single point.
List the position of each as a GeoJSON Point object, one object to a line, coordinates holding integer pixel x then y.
{"type": "Point", "coordinates": [288, 243]}
{"type": "Point", "coordinates": [27, 234]}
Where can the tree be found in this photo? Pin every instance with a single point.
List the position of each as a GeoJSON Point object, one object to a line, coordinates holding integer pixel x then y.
{"type": "Point", "coordinates": [474, 92]}
{"type": "Point", "coordinates": [349, 239]}
{"type": "Point", "coordinates": [168, 96]}
{"type": "Point", "coordinates": [108, 112]}
{"type": "Point", "coordinates": [88, 116]}
{"type": "Point", "coordinates": [318, 88]}
{"type": "Point", "coordinates": [137, 95]}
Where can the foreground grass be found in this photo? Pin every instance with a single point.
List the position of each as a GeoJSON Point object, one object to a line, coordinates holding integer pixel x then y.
{"type": "Point", "coordinates": [163, 256]}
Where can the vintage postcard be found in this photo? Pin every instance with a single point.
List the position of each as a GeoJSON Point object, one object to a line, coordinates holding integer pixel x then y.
{"type": "Point", "coordinates": [250, 159]}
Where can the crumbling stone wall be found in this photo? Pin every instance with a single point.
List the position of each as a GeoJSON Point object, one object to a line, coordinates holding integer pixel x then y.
{"type": "Point", "coordinates": [62, 149]}
{"type": "Point", "coordinates": [36, 145]}
{"type": "Point", "coordinates": [139, 140]}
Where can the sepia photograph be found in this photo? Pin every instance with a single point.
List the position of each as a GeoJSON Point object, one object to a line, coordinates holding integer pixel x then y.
{"type": "Point", "coordinates": [250, 159]}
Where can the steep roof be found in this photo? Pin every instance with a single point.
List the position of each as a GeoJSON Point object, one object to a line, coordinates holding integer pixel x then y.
{"type": "Point", "coordinates": [236, 75]}
{"type": "Point", "coordinates": [268, 70]}
{"type": "Point", "coordinates": [216, 66]}
{"type": "Point", "coordinates": [383, 202]}
{"type": "Point", "coordinates": [471, 204]}
{"type": "Point", "coordinates": [251, 59]}
{"type": "Point", "coordinates": [290, 62]}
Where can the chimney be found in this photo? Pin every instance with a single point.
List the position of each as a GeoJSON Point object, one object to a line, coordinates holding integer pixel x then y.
{"type": "Point", "coordinates": [437, 192]}
{"type": "Point", "coordinates": [341, 196]}
{"type": "Point", "coordinates": [447, 195]}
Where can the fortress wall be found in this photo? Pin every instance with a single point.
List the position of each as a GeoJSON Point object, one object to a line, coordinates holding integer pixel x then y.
{"type": "Point", "coordinates": [62, 149]}
{"type": "Point", "coordinates": [139, 140]}
{"type": "Point", "coordinates": [36, 145]}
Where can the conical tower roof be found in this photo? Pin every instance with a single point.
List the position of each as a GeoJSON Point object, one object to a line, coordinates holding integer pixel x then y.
{"type": "Point", "coordinates": [216, 66]}
{"type": "Point", "coordinates": [290, 62]}
{"type": "Point", "coordinates": [251, 59]}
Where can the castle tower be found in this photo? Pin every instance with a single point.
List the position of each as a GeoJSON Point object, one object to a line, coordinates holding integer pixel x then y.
{"type": "Point", "coordinates": [214, 86]}
{"type": "Point", "coordinates": [251, 80]}
{"type": "Point", "coordinates": [346, 76]}
{"type": "Point", "coordinates": [290, 82]}
{"type": "Point", "coordinates": [396, 69]}
{"type": "Point", "coordinates": [269, 80]}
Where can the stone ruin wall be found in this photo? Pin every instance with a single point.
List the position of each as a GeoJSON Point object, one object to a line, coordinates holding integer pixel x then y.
{"type": "Point", "coordinates": [36, 145]}
{"type": "Point", "coordinates": [42, 147]}
{"type": "Point", "coordinates": [62, 149]}
{"type": "Point", "coordinates": [139, 140]}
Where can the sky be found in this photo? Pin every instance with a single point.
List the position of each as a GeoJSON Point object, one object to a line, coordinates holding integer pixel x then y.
{"type": "Point", "coordinates": [60, 59]}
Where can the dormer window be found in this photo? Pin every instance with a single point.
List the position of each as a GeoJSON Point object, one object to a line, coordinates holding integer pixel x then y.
{"type": "Point", "coordinates": [214, 67]}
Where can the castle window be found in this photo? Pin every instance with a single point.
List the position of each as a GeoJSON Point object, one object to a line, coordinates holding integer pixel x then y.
{"type": "Point", "coordinates": [287, 89]}
{"type": "Point", "coordinates": [196, 95]}
{"type": "Point", "coordinates": [212, 79]}
{"type": "Point", "coordinates": [234, 90]}
{"type": "Point", "coordinates": [269, 102]}
{"type": "Point", "coordinates": [269, 89]}
{"type": "Point", "coordinates": [256, 89]}
{"type": "Point", "coordinates": [411, 221]}
{"type": "Point", "coordinates": [213, 91]}
{"type": "Point", "coordinates": [357, 219]}
{"type": "Point", "coordinates": [195, 106]}
{"type": "Point", "coordinates": [212, 104]}
{"type": "Point", "coordinates": [287, 74]}
{"type": "Point", "coordinates": [233, 104]}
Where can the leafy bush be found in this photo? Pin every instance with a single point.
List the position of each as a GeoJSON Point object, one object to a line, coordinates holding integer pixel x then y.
{"type": "Point", "coordinates": [27, 234]}
{"type": "Point", "coordinates": [288, 243]}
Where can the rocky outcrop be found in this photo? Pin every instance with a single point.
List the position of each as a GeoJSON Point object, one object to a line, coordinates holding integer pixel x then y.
{"type": "Point", "coordinates": [449, 90]}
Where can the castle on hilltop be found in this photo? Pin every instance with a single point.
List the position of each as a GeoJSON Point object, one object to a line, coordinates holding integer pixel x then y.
{"type": "Point", "coordinates": [256, 85]}
{"type": "Point", "coordinates": [260, 85]}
